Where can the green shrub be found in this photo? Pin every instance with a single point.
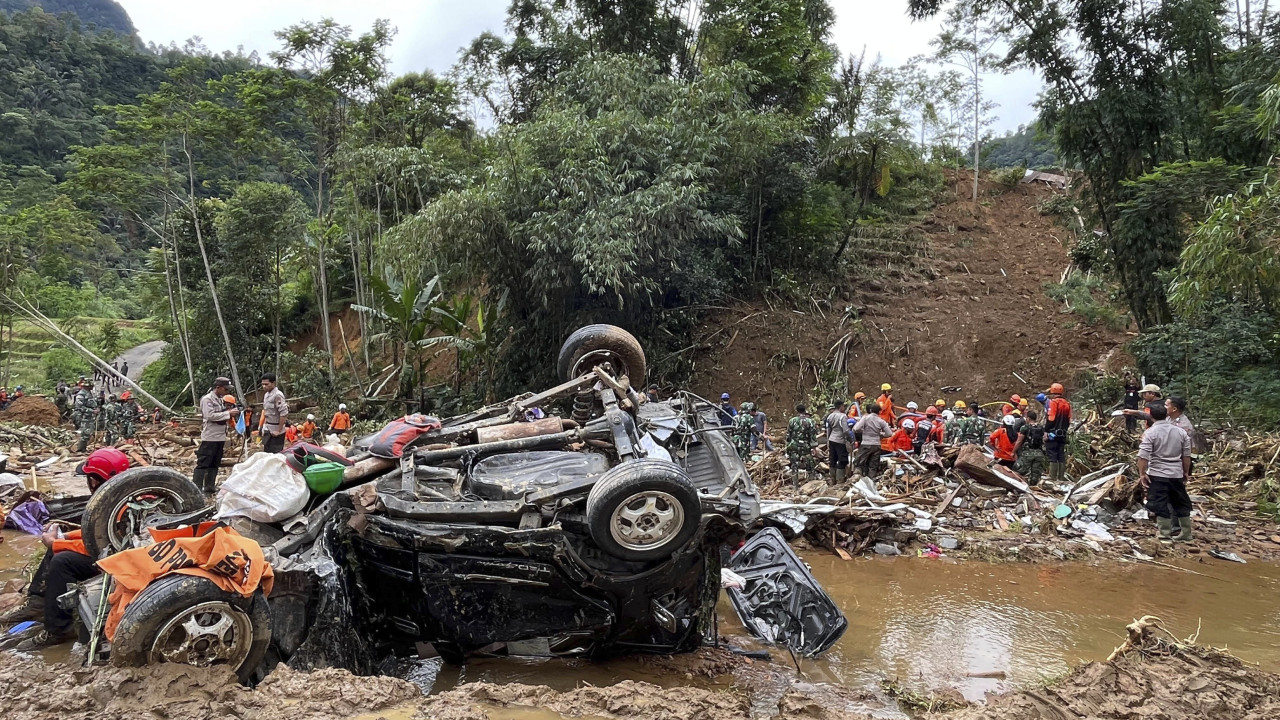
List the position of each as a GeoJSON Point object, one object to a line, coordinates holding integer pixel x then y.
{"type": "Point", "coordinates": [1009, 177]}
{"type": "Point", "coordinates": [62, 364]}
{"type": "Point", "coordinates": [1227, 364]}
{"type": "Point", "coordinates": [1055, 205]}
{"type": "Point", "coordinates": [1080, 293]}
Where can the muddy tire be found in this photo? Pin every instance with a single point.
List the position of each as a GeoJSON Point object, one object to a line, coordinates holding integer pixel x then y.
{"type": "Point", "coordinates": [643, 510]}
{"type": "Point", "coordinates": [189, 620]}
{"type": "Point", "coordinates": [117, 510]}
{"type": "Point", "coordinates": [591, 345]}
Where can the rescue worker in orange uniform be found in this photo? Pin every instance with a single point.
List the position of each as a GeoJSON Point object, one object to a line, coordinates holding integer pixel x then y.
{"type": "Point", "coordinates": [341, 421]}
{"type": "Point", "coordinates": [1056, 429]}
{"type": "Point", "coordinates": [308, 428]}
{"type": "Point", "coordinates": [65, 562]}
{"type": "Point", "coordinates": [1003, 439]}
{"type": "Point", "coordinates": [904, 438]}
{"type": "Point", "coordinates": [886, 404]}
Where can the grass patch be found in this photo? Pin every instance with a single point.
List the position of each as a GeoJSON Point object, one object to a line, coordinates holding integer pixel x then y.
{"type": "Point", "coordinates": [1088, 297]}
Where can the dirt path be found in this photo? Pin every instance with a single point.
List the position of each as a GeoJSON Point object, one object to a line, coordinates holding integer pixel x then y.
{"type": "Point", "coordinates": [980, 318]}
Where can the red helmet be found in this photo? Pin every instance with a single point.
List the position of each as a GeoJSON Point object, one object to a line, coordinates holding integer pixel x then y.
{"type": "Point", "coordinates": [104, 463]}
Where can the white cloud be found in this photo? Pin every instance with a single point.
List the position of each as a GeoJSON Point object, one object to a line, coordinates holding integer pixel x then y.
{"type": "Point", "coordinates": [430, 32]}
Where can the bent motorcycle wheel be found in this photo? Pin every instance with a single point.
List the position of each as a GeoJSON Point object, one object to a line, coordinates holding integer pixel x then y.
{"type": "Point", "coordinates": [595, 344]}
{"type": "Point", "coordinates": [189, 620]}
{"type": "Point", "coordinates": [643, 510]}
{"type": "Point", "coordinates": [117, 511]}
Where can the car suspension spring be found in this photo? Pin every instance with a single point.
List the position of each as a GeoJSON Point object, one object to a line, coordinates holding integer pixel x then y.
{"type": "Point", "coordinates": [583, 404]}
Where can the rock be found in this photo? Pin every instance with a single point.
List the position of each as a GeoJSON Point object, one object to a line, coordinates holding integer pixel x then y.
{"type": "Point", "coordinates": [886, 549]}
{"type": "Point", "coordinates": [1058, 554]}
{"type": "Point", "coordinates": [989, 505]}
{"type": "Point", "coordinates": [814, 488]}
{"type": "Point", "coordinates": [948, 543]}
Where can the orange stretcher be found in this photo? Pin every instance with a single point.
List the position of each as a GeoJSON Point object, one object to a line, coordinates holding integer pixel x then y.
{"type": "Point", "coordinates": [209, 550]}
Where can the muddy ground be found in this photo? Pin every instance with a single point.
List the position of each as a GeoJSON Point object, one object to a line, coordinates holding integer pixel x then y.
{"type": "Point", "coordinates": [1154, 677]}
{"type": "Point", "coordinates": [963, 303]}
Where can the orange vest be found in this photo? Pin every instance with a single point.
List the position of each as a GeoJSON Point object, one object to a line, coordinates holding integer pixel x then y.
{"type": "Point", "coordinates": [308, 429]}
{"type": "Point", "coordinates": [1002, 444]}
{"type": "Point", "coordinates": [886, 408]}
{"type": "Point", "coordinates": [902, 441]}
{"type": "Point", "coordinates": [71, 542]}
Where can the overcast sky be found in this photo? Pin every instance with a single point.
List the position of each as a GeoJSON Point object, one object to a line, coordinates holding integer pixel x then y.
{"type": "Point", "coordinates": [430, 32]}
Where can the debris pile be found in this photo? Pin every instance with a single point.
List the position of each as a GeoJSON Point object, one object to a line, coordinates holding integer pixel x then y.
{"type": "Point", "coordinates": [938, 503]}
{"type": "Point", "coordinates": [1152, 675]}
{"type": "Point", "coordinates": [32, 410]}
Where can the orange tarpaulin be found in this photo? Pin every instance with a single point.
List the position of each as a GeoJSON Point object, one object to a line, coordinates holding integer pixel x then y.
{"type": "Point", "coordinates": [210, 550]}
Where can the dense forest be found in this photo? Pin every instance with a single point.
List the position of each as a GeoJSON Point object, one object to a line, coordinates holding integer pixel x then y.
{"type": "Point", "coordinates": [635, 162]}
{"type": "Point", "coordinates": [1027, 147]}
{"type": "Point", "coordinates": [100, 14]}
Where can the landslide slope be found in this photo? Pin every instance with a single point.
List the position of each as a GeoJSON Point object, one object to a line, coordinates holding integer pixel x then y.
{"type": "Point", "coordinates": [959, 301]}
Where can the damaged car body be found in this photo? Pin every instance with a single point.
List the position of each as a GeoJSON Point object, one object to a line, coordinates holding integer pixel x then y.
{"type": "Point", "coordinates": [504, 531]}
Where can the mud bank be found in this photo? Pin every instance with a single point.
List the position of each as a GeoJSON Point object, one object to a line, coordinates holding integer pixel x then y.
{"type": "Point", "coordinates": [1152, 675]}
{"type": "Point", "coordinates": [30, 689]}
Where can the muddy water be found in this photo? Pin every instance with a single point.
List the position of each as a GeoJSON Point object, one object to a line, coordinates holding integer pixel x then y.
{"type": "Point", "coordinates": [973, 627]}
{"type": "Point", "coordinates": [939, 624]}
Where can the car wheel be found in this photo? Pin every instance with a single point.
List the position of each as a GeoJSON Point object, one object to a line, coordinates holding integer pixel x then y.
{"type": "Point", "coordinates": [643, 510]}
{"type": "Point", "coordinates": [189, 620]}
{"type": "Point", "coordinates": [591, 345]}
{"type": "Point", "coordinates": [117, 511]}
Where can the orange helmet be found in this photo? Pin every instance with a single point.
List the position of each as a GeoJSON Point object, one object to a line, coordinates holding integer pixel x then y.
{"type": "Point", "coordinates": [126, 395]}
{"type": "Point", "coordinates": [1055, 389]}
{"type": "Point", "coordinates": [229, 399]}
{"type": "Point", "coordinates": [1015, 398]}
{"type": "Point", "coordinates": [931, 411]}
{"type": "Point", "coordinates": [859, 395]}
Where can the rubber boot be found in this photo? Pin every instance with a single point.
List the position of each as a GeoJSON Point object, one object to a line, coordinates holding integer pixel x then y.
{"type": "Point", "coordinates": [1184, 525]}
{"type": "Point", "coordinates": [1164, 528]}
{"type": "Point", "coordinates": [839, 477]}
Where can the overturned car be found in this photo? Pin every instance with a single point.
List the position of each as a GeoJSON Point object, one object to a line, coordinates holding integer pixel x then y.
{"type": "Point", "coordinates": [507, 530]}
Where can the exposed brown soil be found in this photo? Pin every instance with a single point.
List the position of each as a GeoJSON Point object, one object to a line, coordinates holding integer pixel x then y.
{"type": "Point", "coordinates": [983, 316]}
{"type": "Point", "coordinates": [31, 410]}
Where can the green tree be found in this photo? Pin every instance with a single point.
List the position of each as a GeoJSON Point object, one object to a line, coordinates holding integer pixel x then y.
{"type": "Point", "coordinates": [109, 340]}
{"type": "Point", "coordinates": [966, 41]}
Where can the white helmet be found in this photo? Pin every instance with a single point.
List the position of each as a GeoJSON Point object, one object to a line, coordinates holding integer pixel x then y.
{"type": "Point", "coordinates": [1010, 420]}
{"type": "Point", "coordinates": [909, 424]}
{"type": "Point", "coordinates": [912, 405]}
{"type": "Point", "coordinates": [342, 406]}
{"type": "Point", "coordinates": [948, 415]}
{"type": "Point", "coordinates": [311, 417]}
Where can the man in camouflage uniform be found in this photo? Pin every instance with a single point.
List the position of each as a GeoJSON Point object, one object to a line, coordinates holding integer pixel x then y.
{"type": "Point", "coordinates": [85, 414]}
{"type": "Point", "coordinates": [131, 413]}
{"type": "Point", "coordinates": [802, 435]}
{"type": "Point", "coordinates": [111, 413]}
{"type": "Point", "coordinates": [974, 429]}
{"type": "Point", "coordinates": [743, 425]}
{"type": "Point", "coordinates": [1032, 462]}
